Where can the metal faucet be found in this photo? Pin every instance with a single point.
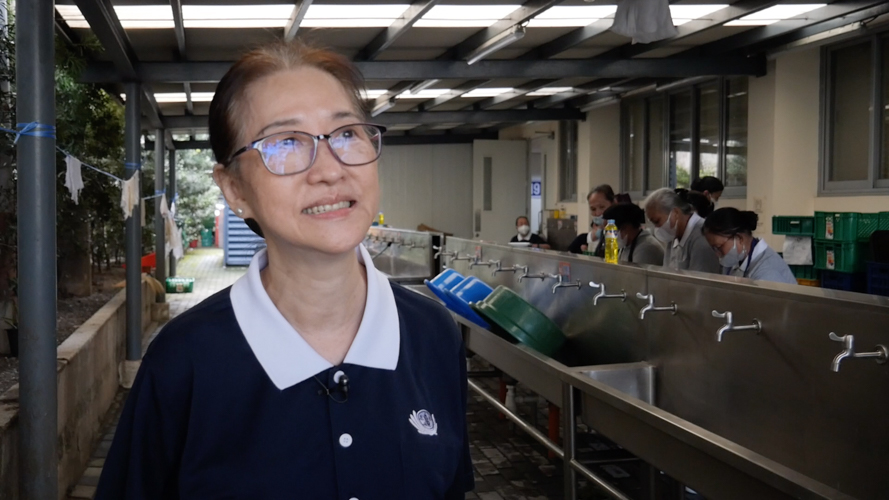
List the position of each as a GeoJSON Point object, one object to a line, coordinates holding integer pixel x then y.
{"type": "Point", "coordinates": [486, 264]}
{"type": "Point", "coordinates": [729, 325]}
{"type": "Point", "coordinates": [603, 295]}
{"type": "Point", "coordinates": [513, 269]}
{"type": "Point", "coordinates": [540, 276]}
{"type": "Point", "coordinates": [563, 284]}
{"type": "Point", "coordinates": [881, 354]}
{"type": "Point", "coordinates": [465, 257]}
{"type": "Point", "coordinates": [440, 251]}
{"type": "Point", "coordinates": [673, 308]}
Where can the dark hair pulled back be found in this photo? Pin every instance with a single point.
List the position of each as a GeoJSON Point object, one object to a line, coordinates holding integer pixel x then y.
{"type": "Point", "coordinates": [730, 221]}
{"type": "Point", "coordinates": [624, 214]}
{"type": "Point", "coordinates": [699, 201]}
{"type": "Point", "coordinates": [709, 184]}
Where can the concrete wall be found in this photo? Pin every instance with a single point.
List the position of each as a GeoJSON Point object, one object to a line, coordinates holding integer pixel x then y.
{"type": "Point", "coordinates": [88, 381]}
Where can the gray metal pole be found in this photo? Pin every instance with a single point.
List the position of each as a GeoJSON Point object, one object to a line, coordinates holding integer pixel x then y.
{"type": "Point", "coordinates": [134, 226]}
{"type": "Point", "coordinates": [159, 225]}
{"type": "Point", "coordinates": [38, 411]}
{"type": "Point", "coordinates": [170, 197]}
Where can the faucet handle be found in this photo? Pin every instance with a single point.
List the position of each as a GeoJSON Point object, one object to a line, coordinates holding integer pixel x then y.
{"type": "Point", "coordinates": [593, 284]}
{"type": "Point", "coordinates": [642, 296]}
{"type": "Point", "coordinates": [847, 340]}
{"type": "Point", "coordinates": [726, 315]}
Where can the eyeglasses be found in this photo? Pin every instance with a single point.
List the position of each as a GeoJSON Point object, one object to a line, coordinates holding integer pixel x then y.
{"type": "Point", "coordinates": [288, 153]}
{"type": "Point", "coordinates": [718, 248]}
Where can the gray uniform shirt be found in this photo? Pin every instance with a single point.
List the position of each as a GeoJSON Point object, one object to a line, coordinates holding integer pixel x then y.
{"type": "Point", "coordinates": [648, 250]}
{"type": "Point", "coordinates": [765, 265]}
{"type": "Point", "coordinates": [692, 252]}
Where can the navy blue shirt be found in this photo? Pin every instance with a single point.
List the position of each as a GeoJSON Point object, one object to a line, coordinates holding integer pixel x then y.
{"type": "Point", "coordinates": [205, 420]}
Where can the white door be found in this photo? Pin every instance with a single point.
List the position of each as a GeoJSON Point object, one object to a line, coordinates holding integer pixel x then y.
{"type": "Point", "coordinates": [499, 188]}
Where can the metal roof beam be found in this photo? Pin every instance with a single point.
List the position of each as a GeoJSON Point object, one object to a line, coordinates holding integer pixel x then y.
{"type": "Point", "coordinates": [180, 145]}
{"type": "Point", "coordinates": [401, 25]}
{"type": "Point", "coordinates": [421, 118]}
{"type": "Point", "coordinates": [523, 14]}
{"type": "Point", "coordinates": [178, 26]}
{"type": "Point", "coordinates": [296, 18]}
{"type": "Point", "coordinates": [714, 20]}
{"type": "Point", "coordinates": [103, 21]}
{"type": "Point", "coordinates": [678, 67]}
{"type": "Point", "coordinates": [517, 92]}
{"type": "Point", "coordinates": [450, 96]}
{"type": "Point", "coordinates": [862, 16]}
{"type": "Point", "coordinates": [568, 40]}
{"type": "Point", "coordinates": [765, 34]}
{"type": "Point", "coordinates": [462, 138]}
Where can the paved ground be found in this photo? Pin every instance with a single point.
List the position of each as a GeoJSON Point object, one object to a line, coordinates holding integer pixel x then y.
{"type": "Point", "coordinates": [508, 464]}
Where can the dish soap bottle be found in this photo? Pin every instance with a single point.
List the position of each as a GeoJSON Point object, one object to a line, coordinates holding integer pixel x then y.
{"type": "Point", "coordinates": [611, 246]}
{"type": "Point", "coordinates": [380, 219]}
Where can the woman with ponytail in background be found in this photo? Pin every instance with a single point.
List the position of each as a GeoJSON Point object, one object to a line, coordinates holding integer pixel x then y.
{"type": "Point", "coordinates": [729, 232]}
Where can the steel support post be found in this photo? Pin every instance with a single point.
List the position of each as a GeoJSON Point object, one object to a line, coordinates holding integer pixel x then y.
{"type": "Point", "coordinates": [36, 155]}
{"type": "Point", "coordinates": [160, 244]}
{"type": "Point", "coordinates": [134, 225]}
{"type": "Point", "coordinates": [171, 197]}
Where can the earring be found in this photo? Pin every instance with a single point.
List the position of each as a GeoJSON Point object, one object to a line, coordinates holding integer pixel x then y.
{"type": "Point", "coordinates": [240, 211]}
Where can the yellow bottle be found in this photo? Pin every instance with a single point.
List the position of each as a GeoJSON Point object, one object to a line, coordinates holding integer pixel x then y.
{"type": "Point", "coordinates": [611, 245]}
{"type": "Point", "coordinates": [380, 218]}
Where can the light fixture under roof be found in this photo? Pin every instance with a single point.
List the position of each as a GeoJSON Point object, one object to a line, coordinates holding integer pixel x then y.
{"type": "Point", "coordinates": [500, 41]}
{"type": "Point", "coordinates": [487, 92]}
{"type": "Point", "coordinates": [235, 16]}
{"type": "Point", "coordinates": [422, 94]}
{"type": "Point", "coordinates": [774, 14]}
{"type": "Point", "coordinates": [547, 91]}
{"type": "Point", "coordinates": [682, 14]}
{"type": "Point", "coordinates": [352, 16]}
{"type": "Point", "coordinates": [373, 93]}
{"type": "Point", "coordinates": [131, 16]}
{"type": "Point", "coordinates": [572, 16]}
{"type": "Point", "coordinates": [170, 97]}
{"type": "Point", "coordinates": [464, 16]}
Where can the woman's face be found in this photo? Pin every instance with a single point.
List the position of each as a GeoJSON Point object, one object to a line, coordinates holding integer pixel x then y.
{"type": "Point", "coordinates": [306, 100]}
{"type": "Point", "coordinates": [598, 204]}
{"type": "Point", "coordinates": [658, 218]}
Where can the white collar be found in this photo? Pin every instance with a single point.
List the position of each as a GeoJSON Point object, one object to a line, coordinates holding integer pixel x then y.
{"type": "Point", "coordinates": [524, 238]}
{"type": "Point", "coordinates": [693, 221]}
{"type": "Point", "coordinates": [758, 250]}
{"type": "Point", "coordinates": [285, 356]}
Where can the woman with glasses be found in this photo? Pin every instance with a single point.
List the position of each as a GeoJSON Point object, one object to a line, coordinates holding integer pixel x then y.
{"type": "Point", "coordinates": [312, 376]}
{"type": "Point", "coordinates": [730, 232]}
{"type": "Point", "coordinates": [678, 227]}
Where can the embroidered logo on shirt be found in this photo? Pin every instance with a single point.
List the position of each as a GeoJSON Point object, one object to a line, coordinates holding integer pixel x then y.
{"type": "Point", "coordinates": [424, 422]}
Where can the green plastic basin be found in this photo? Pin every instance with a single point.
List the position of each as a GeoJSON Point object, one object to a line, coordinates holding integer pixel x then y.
{"type": "Point", "coordinates": [515, 315]}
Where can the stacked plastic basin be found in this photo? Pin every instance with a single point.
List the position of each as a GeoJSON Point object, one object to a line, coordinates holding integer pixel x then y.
{"type": "Point", "coordinates": [500, 310]}
{"type": "Point", "coordinates": [457, 291]}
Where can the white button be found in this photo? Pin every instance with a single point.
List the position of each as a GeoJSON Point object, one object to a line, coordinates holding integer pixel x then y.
{"type": "Point", "coordinates": [337, 376]}
{"type": "Point", "coordinates": [345, 440]}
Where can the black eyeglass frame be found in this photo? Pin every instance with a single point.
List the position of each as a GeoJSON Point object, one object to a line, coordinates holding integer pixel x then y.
{"type": "Point", "coordinates": [317, 139]}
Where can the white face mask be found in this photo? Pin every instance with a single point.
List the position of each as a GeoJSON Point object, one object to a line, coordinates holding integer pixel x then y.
{"type": "Point", "coordinates": [666, 233]}
{"type": "Point", "coordinates": [599, 220]}
{"type": "Point", "coordinates": [524, 230]}
{"type": "Point", "coordinates": [734, 257]}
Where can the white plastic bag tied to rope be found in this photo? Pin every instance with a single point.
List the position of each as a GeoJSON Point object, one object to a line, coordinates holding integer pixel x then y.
{"type": "Point", "coordinates": [644, 21]}
{"type": "Point", "coordinates": [173, 236]}
{"type": "Point", "coordinates": [73, 177]}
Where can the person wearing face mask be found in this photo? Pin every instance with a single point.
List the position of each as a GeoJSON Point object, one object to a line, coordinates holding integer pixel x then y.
{"type": "Point", "coordinates": [637, 245]}
{"type": "Point", "coordinates": [679, 228]}
{"type": "Point", "coordinates": [523, 228]}
{"type": "Point", "coordinates": [599, 199]}
{"type": "Point", "coordinates": [709, 186]}
{"type": "Point", "coordinates": [729, 232]}
{"type": "Point", "coordinates": [702, 203]}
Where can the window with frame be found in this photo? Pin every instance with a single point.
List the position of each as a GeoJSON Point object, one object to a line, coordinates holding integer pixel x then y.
{"type": "Point", "coordinates": [669, 139]}
{"type": "Point", "coordinates": [855, 133]}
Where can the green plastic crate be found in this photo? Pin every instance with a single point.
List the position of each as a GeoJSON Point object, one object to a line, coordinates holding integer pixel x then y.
{"type": "Point", "coordinates": [839, 256]}
{"type": "Point", "coordinates": [805, 272]}
{"type": "Point", "coordinates": [883, 221]}
{"type": "Point", "coordinates": [845, 226]}
{"type": "Point", "coordinates": [793, 225]}
{"type": "Point", "coordinates": [180, 285]}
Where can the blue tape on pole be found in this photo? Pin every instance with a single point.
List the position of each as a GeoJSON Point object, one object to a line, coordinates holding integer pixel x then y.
{"type": "Point", "coordinates": [33, 129]}
{"type": "Point", "coordinates": [132, 166]}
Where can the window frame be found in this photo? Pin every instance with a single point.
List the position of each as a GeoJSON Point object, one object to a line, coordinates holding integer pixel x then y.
{"type": "Point", "coordinates": [669, 177]}
{"type": "Point", "coordinates": [873, 185]}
